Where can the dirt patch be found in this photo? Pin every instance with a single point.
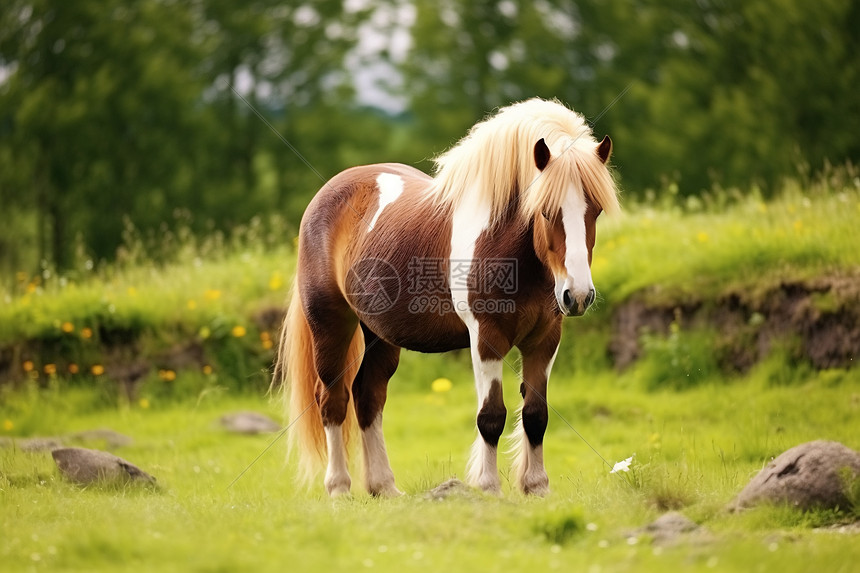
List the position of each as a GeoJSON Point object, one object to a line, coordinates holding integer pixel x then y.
{"type": "Point", "coordinates": [820, 317]}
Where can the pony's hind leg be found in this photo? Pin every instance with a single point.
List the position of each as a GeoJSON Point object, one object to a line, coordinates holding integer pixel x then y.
{"type": "Point", "coordinates": [333, 333]}
{"type": "Point", "coordinates": [370, 391]}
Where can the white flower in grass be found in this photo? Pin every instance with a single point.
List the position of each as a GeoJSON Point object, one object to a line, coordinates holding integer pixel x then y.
{"type": "Point", "coordinates": [622, 466]}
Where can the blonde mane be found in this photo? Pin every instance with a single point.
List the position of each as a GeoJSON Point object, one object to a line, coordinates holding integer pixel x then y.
{"type": "Point", "coordinates": [496, 160]}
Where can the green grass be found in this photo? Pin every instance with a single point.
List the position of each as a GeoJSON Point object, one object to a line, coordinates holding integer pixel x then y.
{"type": "Point", "coordinates": [694, 451]}
{"type": "Point", "coordinates": [698, 435]}
{"type": "Point", "coordinates": [749, 244]}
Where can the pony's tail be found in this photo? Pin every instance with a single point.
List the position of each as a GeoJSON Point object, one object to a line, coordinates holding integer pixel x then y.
{"type": "Point", "coordinates": [296, 374]}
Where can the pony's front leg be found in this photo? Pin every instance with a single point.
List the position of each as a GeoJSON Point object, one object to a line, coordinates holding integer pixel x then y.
{"type": "Point", "coordinates": [483, 468]}
{"type": "Point", "coordinates": [528, 466]}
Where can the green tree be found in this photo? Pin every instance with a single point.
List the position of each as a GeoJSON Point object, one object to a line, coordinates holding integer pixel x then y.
{"type": "Point", "coordinates": [97, 114]}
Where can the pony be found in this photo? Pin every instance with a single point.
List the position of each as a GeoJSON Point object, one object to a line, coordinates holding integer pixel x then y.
{"type": "Point", "coordinates": [489, 253]}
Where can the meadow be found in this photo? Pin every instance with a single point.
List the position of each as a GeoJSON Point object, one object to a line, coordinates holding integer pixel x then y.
{"type": "Point", "coordinates": [697, 432]}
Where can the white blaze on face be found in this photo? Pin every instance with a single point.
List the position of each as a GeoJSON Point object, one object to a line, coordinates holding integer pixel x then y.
{"type": "Point", "coordinates": [578, 279]}
{"type": "Point", "coordinates": [390, 187]}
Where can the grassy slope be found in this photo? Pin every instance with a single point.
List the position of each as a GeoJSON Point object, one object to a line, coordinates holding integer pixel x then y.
{"type": "Point", "coordinates": [749, 244]}
{"type": "Point", "coordinates": [694, 449]}
{"type": "Point", "coordinates": [669, 252]}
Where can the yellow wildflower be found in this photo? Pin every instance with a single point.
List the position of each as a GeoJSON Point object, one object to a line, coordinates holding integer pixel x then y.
{"type": "Point", "coordinates": [212, 294]}
{"type": "Point", "coordinates": [132, 291]}
{"type": "Point", "coordinates": [207, 370]}
{"type": "Point", "coordinates": [441, 385]}
{"type": "Point", "coordinates": [238, 331]}
{"type": "Point", "coordinates": [97, 369]}
{"type": "Point", "coordinates": [50, 369]}
{"type": "Point", "coordinates": [73, 368]}
{"type": "Point", "coordinates": [276, 281]}
{"type": "Point", "coordinates": [702, 237]}
{"type": "Point", "coordinates": [266, 340]}
{"type": "Point", "coordinates": [167, 375]}
{"type": "Point", "coordinates": [204, 332]}
{"type": "Point", "coordinates": [68, 327]}
{"type": "Point", "coordinates": [86, 332]}
{"type": "Point", "coordinates": [144, 403]}
{"type": "Point", "coordinates": [192, 304]}
{"type": "Point", "coordinates": [27, 365]}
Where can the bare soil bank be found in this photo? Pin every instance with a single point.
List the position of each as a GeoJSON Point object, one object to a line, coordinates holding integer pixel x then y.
{"type": "Point", "coordinates": [817, 320]}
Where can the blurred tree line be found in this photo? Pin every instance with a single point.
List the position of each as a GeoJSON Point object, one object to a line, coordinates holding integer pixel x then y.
{"type": "Point", "coordinates": [116, 112]}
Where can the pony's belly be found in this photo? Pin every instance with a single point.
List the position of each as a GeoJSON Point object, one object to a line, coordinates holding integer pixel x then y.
{"type": "Point", "coordinates": [419, 331]}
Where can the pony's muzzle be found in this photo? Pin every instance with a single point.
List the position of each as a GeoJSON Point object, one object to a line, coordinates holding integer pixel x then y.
{"type": "Point", "coordinates": [576, 306]}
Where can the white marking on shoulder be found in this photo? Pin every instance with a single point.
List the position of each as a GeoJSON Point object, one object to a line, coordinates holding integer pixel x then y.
{"type": "Point", "coordinates": [468, 222]}
{"type": "Point", "coordinates": [390, 187]}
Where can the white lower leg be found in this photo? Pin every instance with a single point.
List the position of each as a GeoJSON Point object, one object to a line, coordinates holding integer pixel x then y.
{"type": "Point", "coordinates": [533, 478]}
{"type": "Point", "coordinates": [337, 481]}
{"type": "Point", "coordinates": [482, 470]}
{"type": "Point", "coordinates": [528, 463]}
{"type": "Point", "coordinates": [378, 477]}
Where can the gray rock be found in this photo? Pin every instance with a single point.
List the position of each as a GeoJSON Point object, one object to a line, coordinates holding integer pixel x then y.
{"type": "Point", "coordinates": [671, 528]}
{"type": "Point", "coordinates": [806, 476]}
{"type": "Point", "coordinates": [451, 488]}
{"type": "Point", "coordinates": [249, 423]}
{"type": "Point", "coordinates": [110, 438]}
{"type": "Point", "coordinates": [84, 466]}
{"type": "Point", "coordinates": [672, 523]}
{"type": "Point", "coordinates": [32, 444]}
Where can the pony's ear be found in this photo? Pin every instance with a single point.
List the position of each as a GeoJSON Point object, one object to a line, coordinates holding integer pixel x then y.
{"type": "Point", "coordinates": [542, 154]}
{"type": "Point", "coordinates": [604, 149]}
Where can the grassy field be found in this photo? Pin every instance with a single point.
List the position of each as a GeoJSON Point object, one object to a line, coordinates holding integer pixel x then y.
{"type": "Point", "coordinates": [694, 447]}
{"type": "Point", "coordinates": [693, 451]}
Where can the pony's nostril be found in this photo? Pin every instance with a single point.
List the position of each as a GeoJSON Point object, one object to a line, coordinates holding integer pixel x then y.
{"type": "Point", "coordinates": [566, 298]}
{"type": "Point", "coordinates": [590, 298]}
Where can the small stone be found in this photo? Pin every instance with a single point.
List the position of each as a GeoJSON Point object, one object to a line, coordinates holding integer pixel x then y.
{"type": "Point", "coordinates": [84, 466]}
{"type": "Point", "coordinates": [671, 523]}
{"type": "Point", "coordinates": [671, 528]}
{"type": "Point", "coordinates": [810, 475]}
{"type": "Point", "coordinates": [451, 488]}
{"type": "Point", "coordinates": [42, 444]}
{"type": "Point", "coordinates": [249, 423]}
{"type": "Point", "coordinates": [110, 438]}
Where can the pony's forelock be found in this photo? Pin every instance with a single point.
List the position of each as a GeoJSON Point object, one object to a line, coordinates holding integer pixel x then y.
{"type": "Point", "coordinates": [494, 163]}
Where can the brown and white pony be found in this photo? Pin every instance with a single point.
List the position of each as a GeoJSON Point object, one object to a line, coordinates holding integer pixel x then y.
{"type": "Point", "coordinates": [489, 253]}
